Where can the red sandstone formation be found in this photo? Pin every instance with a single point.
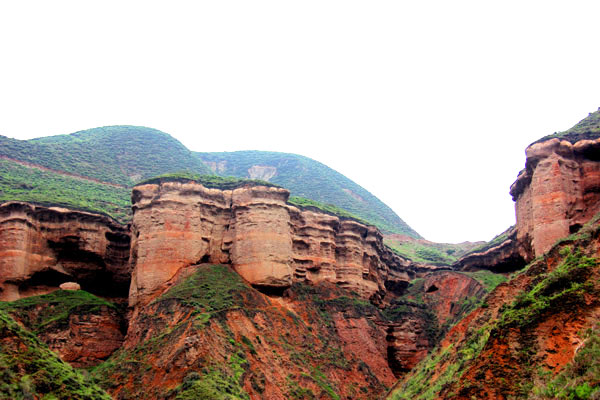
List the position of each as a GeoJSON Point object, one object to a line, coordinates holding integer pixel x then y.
{"type": "Point", "coordinates": [445, 292]}
{"type": "Point", "coordinates": [88, 339]}
{"type": "Point", "coordinates": [42, 247]}
{"type": "Point", "coordinates": [557, 192]}
{"type": "Point", "coordinates": [268, 242]}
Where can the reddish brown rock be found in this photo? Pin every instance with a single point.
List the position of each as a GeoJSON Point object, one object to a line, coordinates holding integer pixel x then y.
{"type": "Point", "coordinates": [407, 343]}
{"type": "Point", "coordinates": [557, 192]}
{"type": "Point", "coordinates": [267, 241]}
{"type": "Point", "coordinates": [70, 286]}
{"type": "Point", "coordinates": [507, 256]}
{"type": "Point", "coordinates": [261, 251]}
{"type": "Point", "coordinates": [175, 225]}
{"type": "Point", "coordinates": [88, 339]}
{"type": "Point", "coordinates": [446, 292]}
{"type": "Point", "coordinates": [42, 247]}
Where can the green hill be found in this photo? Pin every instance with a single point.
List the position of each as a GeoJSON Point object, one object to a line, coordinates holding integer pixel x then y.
{"type": "Point", "coordinates": [94, 170]}
{"type": "Point", "coordinates": [122, 155]}
{"type": "Point", "coordinates": [308, 178]}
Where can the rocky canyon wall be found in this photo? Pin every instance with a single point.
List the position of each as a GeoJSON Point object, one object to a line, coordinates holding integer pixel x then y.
{"type": "Point", "coordinates": [267, 241]}
{"type": "Point", "coordinates": [557, 192]}
{"type": "Point", "coordinates": [42, 247]}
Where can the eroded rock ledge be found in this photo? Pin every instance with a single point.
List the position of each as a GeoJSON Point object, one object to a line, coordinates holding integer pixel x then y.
{"type": "Point", "coordinates": [268, 242]}
{"type": "Point", "coordinates": [43, 247]}
{"type": "Point", "coordinates": [557, 192]}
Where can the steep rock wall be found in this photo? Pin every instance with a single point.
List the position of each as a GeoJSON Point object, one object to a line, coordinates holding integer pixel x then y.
{"type": "Point", "coordinates": [557, 192]}
{"type": "Point", "coordinates": [42, 247]}
{"type": "Point", "coordinates": [267, 241]}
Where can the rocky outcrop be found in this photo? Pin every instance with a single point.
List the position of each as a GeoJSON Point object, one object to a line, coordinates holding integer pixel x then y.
{"type": "Point", "coordinates": [43, 247]}
{"type": "Point", "coordinates": [506, 256]}
{"type": "Point", "coordinates": [88, 338]}
{"type": "Point", "coordinates": [267, 241]}
{"type": "Point", "coordinates": [557, 192]}
{"type": "Point", "coordinates": [425, 313]}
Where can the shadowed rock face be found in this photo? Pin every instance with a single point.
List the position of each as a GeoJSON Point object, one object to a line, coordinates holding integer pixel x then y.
{"type": "Point", "coordinates": [557, 192]}
{"type": "Point", "coordinates": [41, 248]}
{"type": "Point", "coordinates": [268, 242]}
{"type": "Point", "coordinates": [508, 256]}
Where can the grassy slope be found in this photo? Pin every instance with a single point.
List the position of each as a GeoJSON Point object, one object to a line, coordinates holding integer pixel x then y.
{"type": "Point", "coordinates": [118, 154]}
{"type": "Point", "coordinates": [311, 179]}
{"type": "Point", "coordinates": [28, 369]}
{"type": "Point", "coordinates": [33, 185]}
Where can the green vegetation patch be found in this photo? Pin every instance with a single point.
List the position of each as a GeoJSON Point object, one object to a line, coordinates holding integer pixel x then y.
{"type": "Point", "coordinates": [54, 309]}
{"type": "Point", "coordinates": [29, 369]}
{"type": "Point", "coordinates": [215, 383]}
{"type": "Point", "coordinates": [20, 183]}
{"type": "Point", "coordinates": [561, 288]}
{"type": "Point", "coordinates": [587, 128]}
{"type": "Point", "coordinates": [211, 290]}
{"type": "Point", "coordinates": [330, 209]}
{"type": "Point", "coordinates": [209, 181]}
{"type": "Point", "coordinates": [488, 279]}
{"type": "Point", "coordinates": [422, 253]}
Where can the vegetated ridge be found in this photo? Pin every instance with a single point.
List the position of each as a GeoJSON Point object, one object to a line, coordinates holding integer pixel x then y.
{"type": "Point", "coordinates": [311, 179]}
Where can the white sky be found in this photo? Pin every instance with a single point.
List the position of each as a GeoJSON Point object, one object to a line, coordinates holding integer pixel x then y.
{"type": "Point", "coordinates": [427, 104]}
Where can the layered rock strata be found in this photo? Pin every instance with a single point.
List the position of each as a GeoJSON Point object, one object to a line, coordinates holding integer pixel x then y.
{"type": "Point", "coordinates": [557, 192]}
{"type": "Point", "coordinates": [267, 241]}
{"type": "Point", "coordinates": [43, 247]}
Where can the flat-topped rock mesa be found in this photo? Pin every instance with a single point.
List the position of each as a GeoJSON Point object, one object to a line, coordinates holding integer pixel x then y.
{"type": "Point", "coordinates": [267, 241]}
{"type": "Point", "coordinates": [43, 247]}
{"type": "Point", "coordinates": [557, 192]}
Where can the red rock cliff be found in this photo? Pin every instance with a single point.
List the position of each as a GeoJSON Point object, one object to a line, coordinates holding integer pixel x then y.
{"type": "Point", "coordinates": [42, 247]}
{"type": "Point", "coordinates": [557, 192]}
{"type": "Point", "coordinates": [267, 241]}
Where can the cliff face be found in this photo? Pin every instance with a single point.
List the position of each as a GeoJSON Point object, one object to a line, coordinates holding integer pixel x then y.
{"type": "Point", "coordinates": [268, 242]}
{"type": "Point", "coordinates": [42, 247]}
{"type": "Point", "coordinates": [557, 192]}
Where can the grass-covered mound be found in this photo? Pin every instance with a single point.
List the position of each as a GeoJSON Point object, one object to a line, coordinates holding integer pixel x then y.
{"type": "Point", "coordinates": [38, 313]}
{"type": "Point", "coordinates": [29, 370]}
